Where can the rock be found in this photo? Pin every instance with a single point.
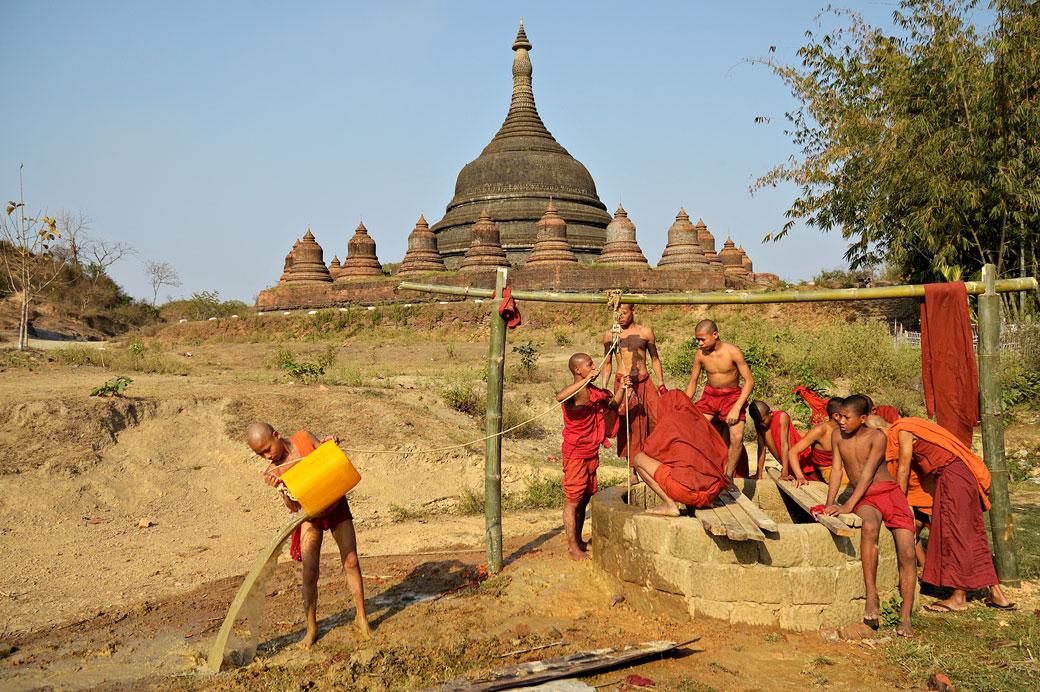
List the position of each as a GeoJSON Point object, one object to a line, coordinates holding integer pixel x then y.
{"type": "Point", "coordinates": [522, 630]}
{"type": "Point", "coordinates": [145, 523]}
{"type": "Point", "coordinates": [364, 657]}
{"type": "Point", "coordinates": [617, 599]}
{"type": "Point", "coordinates": [830, 635]}
{"type": "Point", "coordinates": [6, 649]}
{"type": "Point", "coordinates": [856, 631]}
{"type": "Point", "coordinates": [554, 633]}
{"type": "Point", "coordinates": [322, 388]}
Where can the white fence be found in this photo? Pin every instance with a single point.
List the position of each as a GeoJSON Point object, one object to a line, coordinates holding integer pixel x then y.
{"type": "Point", "coordinates": [1012, 337]}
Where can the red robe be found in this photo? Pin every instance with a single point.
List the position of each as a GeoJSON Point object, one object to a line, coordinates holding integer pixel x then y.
{"type": "Point", "coordinates": [691, 452]}
{"type": "Point", "coordinates": [327, 519]}
{"type": "Point", "coordinates": [951, 378]}
{"type": "Point", "coordinates": [587, 428]}
{"type": "Point", "coordinates": [816, 402]}
{"type": "Point", "coordinates": [889, 413]}
{"type": "Point", "coordinates": [805, 459]}
{"type": "Point", "coordinates": [642, 414]}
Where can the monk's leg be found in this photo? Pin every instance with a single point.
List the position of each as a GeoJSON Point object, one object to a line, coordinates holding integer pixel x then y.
{"type": "Point", "coordinates": [868, 551]}
{"type": "Point", "coordinates": [646, 467]}
{"type": "Point", "coordinates": [579, 521]}
{"type": "Point", "coordinates": [736, 446]}
{"type": "Point", "coordinates": [907, 557]}
{"type": "Point", "coordinates": [919, 546]}
{"type": "Point", "coordinates": [310, 550]}
{"type": "Point", "coordinates": [572, 529]}
{"type": "Point", "coordinates": [346, 539]}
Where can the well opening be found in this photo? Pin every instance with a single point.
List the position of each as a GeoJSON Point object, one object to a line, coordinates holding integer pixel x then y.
{"type": "Point", "coordinates": [801, 577]}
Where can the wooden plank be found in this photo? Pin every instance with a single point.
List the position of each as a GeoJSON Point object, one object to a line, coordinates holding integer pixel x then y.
{"type": "Point", "coordinates": [761, 519]}
{"type": "Point", "coordinates": [734, 531]}
{"type": "Point", "coordinates": [711, 522]}
{"type": "Point", "coordinates": [807, 502]}
{"type": "Point", "coordinates": [536, 672]}
{"type": "Point", "coordinates": [818, 492]}
{"type": "Point", "coordinates": [728, 504]}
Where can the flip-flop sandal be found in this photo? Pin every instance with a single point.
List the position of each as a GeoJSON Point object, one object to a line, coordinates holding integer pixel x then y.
{"type": "Point", "coordinates": [940, 608]}
{"type": "Point", "coordinates": [1009, 606]}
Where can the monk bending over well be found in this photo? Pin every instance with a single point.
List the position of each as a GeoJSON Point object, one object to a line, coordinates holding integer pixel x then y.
{"type": "Point", "coordinates": [877, 498]}
{"type": "Point", "coordinates": [283, 455]}
{"type": "Point", "coordinates": [723, 401]}
{"type": "Point", "coordinates": [776, 433]}
{"type": "Point", "coordinates": [684, 458]}
{"type": "Point", "coordinates": [637, 342]}
{"type": "Point", "coordinates": [589, 420]}
{"type": "Point", "coordinates": [818, 442]}
{"type": "Point", "coordinates": [958, 551]}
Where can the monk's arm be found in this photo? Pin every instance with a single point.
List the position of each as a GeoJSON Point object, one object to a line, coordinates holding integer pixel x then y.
{"type": "Point", "coordinates": [691, 388]}
{"type": "Point", "coordinates": [745, 389]}
{"type": "Point", "coordinates": [875, 457]}
{"type": "Point", "coordinates": [836, 471]}
{"type": "Point", "coordinates": [906, 453]}
{"type": "Point", "coordinates": [655, 359]}
{"type": "Point", "coordinates": [571, 389]}
{"type": "Point", "coordinates": [785, 450]}
{"type": "Point", "coordinates": [803, 444]}
{"type": "Point", "coordinates": [761, 442]}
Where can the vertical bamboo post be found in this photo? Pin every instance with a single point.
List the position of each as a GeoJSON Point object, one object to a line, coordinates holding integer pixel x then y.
{"type": "Point", "coordinates": [493, 446]}
{"type": "Point", "coordinates": [1001, 526]}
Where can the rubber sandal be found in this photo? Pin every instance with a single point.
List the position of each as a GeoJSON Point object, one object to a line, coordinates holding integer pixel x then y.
{"type": "Point", "coordinates": [1009, 606]}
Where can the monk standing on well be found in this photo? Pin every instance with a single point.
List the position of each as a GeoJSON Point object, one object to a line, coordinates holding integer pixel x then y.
{"type": "Point", "coordinates": [683, 460]}
{"type": "Point", "coordinates": [724, 400]}
{"type": "Point", "coordinates": [776, 433]}
{"type": "Point", "coordinates": [877, 498]}
{"type": "Point", "coordinates": [958, 554]}
{"type": "Point", "coordinates": [306, 541]}
{"type": "Point", "coordinates": [636, 343]}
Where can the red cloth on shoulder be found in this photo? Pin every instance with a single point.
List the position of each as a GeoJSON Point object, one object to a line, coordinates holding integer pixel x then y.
{"type": "Point", "coordinates": [890, 413]}
{"type": "Point", "coordinates": [689, 446]}
{"type": "Point", "coordinates": [585, 429]}
{"type": "Point", "coordinates": [642, 414]}
{"type": "Point", "coordinates": [951, 378]}
{"type": "Point", "coordinates": [805, 459]}
{"type": "Point", "coordinates": [508, 309]}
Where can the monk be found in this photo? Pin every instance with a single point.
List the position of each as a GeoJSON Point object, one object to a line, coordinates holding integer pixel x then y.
{"type": "Point", "coordinates": [890, 414]}
{"type": "Point", "coordinates": [684, 458]}
{"type": "Point", "coordinates": [589, 420]}
{"type": "Point", "coordinates": [877, 498]}
{"type": "Point", "coordinates": [637, 342]}
{"type": "Point", "coordinates": [776, 433]}
{"type": "Point", "coordinates": [818, 442]}
{"type": "Point", "coordinates": [723, 401]}
{"type": "Point", "coordinates": [958, 554]}
{"type": "Point", "coordinates": [283, 454]}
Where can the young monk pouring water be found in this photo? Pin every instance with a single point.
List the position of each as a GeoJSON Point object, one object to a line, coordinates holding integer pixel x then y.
{"type": "Point", "coordinates": [306, 547]}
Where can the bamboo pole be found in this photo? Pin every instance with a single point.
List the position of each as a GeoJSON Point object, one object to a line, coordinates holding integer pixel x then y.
{"type": "Point", "coordinates": [1001, 526]}
{"type": "Point", "coordinates": [493, 446]}
{"type": "Point", "coordinates": [728, 297]}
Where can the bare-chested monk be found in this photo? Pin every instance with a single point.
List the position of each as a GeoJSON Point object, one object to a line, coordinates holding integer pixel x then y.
{"type": "Point", "coordinates": [283, 455]}
{"type": "Point", "coordinates": [860, 451]}
{"type": "Point", "coordinates": [637, 342]}
{"type": "Point", "coordinates": [724, 400]}
{"type": "Point", "coordinates": [818, 441]}
{"type": "Point", "coordinates": [775, 432]}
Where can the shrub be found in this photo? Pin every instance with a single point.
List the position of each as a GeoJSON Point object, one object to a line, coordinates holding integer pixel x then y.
{"type": "Point", "coordinates": [78, 355]}
{"type": "Point", "coordinates": [562, 336]}
{"type": "Point", "coordinates": [461, 396]}
{"type": "Point", "coordinates": [471, 501]}
{"type": "Point", "coordinates": [113, 387]}
{"type": "Point", "coordinates": [528, 358]}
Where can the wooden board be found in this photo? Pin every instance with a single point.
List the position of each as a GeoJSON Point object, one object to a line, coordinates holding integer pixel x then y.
{"type": "Point", "coordinates": [820, 495]}
{"type": "Point", "coordinates": [734, 530]}
{"type": "Point", "coordinates": [536, 672]}
{"type": "Point", "coordinates": [725, 503]}
{"type": "Point", "coordinates": [711, 522]}
{"type": "Point", "coordinates": [807, 502]}
{"type": "Point", "coordinates": [761, 519]}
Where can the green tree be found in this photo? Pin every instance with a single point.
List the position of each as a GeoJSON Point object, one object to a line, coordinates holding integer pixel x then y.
{"type": "Point", "coordinates": [920, 145]}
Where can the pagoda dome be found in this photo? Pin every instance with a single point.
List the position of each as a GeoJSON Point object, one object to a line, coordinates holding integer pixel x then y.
{"type": "Point", "coordinates": [621, 247]}
{"type": "Point", "coordinates": [730, 256]}
{"type": "Point", "coordinates": [551, 246]}
{"type": "Point", "coordinates": [514, 177]}
{"type": "Point", "coordinates": [361, 255]}
{"type": "Point", "coordinates": [485, 250]}
{"type": "Point", "coordinates": [422, 255]}
{"type": "Point", "coordinates": [707, 241]}
{"type": "Point", "coordinates": [308, 264]}
{"type": "Point", "coordinates": [684, 250]}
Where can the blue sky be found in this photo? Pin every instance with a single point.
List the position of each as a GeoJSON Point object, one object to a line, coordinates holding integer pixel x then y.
{"type": "Point", "coordinates": [211, 134]}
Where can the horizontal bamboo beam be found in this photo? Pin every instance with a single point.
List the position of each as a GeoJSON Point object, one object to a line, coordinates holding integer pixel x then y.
{"type": "Point", "coordinates": [727, 297]}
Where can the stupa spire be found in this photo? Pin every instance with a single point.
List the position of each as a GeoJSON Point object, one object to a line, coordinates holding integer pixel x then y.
{"type": "Point", "coordinates": [522, 118]}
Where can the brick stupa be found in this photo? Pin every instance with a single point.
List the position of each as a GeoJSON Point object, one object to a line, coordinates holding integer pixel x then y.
{"type": "Point", "coordinates": [621, 247]}
{"type": "Point", "coordinates": [551, 246]}
{"type": "Point", "coordinates": [335, 268]}
{"type": "Point", "coordinates": [361, 258]}
{"type": "Point", "coordinates": [707, 241]}
{"type": "Point", "coordinates": [684, 250]}
{"type": "Point", "coordinates": [745, 260]}
{"type": "Point", "coordinates": [422, 255]}
{"type": "Point", "coordinates": [288, 263]}
{"type": "Point", "coordinates": [485, 251]}
{"type": "Point", "coordinates": [731, 257]}
{"type": "Point", "coordinates": [308, 264]}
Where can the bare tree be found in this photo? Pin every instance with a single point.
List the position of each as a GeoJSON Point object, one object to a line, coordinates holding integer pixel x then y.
{"type": "Point", "coordinates": [103, 254]}
{"type": "Point", "coordinates": [74, 228]}
{"type": "Point", "coordinates": [25, 247]}
{"type": "Point", "coordinates": [161, 274]}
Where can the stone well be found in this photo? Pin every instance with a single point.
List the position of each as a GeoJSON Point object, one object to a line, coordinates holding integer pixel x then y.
{"type": "Point", "coordinates": [801, 578]}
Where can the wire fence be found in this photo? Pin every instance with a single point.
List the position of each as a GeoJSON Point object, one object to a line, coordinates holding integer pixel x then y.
{"type": "Point", "coordinates": [1013, 337]}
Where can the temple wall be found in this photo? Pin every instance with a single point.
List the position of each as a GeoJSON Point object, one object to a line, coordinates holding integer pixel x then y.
{"type": "Point", "coordinates": [800, 578]}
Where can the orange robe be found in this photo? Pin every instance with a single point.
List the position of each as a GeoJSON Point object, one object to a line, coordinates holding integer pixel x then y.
{"type": "Point", "coordinates": [940, 436]}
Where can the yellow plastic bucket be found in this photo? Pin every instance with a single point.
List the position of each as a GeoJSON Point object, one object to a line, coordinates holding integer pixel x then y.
{"type": "Point", "coordinates": [321, 478]}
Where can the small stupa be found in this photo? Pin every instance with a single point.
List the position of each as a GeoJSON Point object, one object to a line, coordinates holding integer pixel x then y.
{"type": "Point", "coordinates": [621, 247]}
{"type": "Point", "coordinates": [307, 264]}
{"type": "Point", "coordinates": [422, 255]}
{"type": "Point", "coordinates": [684, 250]}
{"type": "Point", "coordinates": [361, 256]}
{"type": "Point", "coordinates": [335, 268]}
{"type": "Point", "coordinates": [485, 250]}
{"type": "Point", "coordinates": [745, 261]}
{"type": "Point", "coordinates": [707, 241]}
{"type": "Point", "coordinates": [731, 257]}
{"type": "Point", "coordinates": [551, 246]}
{"type": "Point", "coordinates": [288, 263]}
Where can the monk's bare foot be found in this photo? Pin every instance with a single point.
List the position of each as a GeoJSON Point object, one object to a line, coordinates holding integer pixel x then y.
{"type": "Point", "coordinates": [308, 639]}
{"type": "Point", "coordinates": [577, 554]}
{"type": "Point", "coordinates": [363, 628]}
{"type": "Point", "coordinates": [871, 609]}
{"type": "Point", "coordinates": [664, 511]}
{"type": "Point", "coordinates": [905, 629]}
{"type": "Point", "coordinates": [950, 605]}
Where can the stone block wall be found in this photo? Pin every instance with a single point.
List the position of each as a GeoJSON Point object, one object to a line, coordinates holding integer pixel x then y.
{"type": "Point", "coordinates": [800, 578]}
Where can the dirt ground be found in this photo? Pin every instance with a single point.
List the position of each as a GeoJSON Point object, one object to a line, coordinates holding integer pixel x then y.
{"type": "Point", "coordinates": [90, 600]}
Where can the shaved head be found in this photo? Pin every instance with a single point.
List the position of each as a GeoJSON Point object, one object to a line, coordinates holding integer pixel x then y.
{"type": "Point", "coordinates": [876, 421]}
{"type": "Point", "coordinates": [758, 410]}
{"type": "Point", "coordinates": [258, 434]}
{"type": "Point", "coordinates": [706, 327]}
{"type": "Point", "coordinates": [870, 402]}
{"type": "Point", "coordinates": [834, 405]}
{"type": "Point", "coordinates": [858, 404]}
{"type": "Point", "coordinates": [577, 360]}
